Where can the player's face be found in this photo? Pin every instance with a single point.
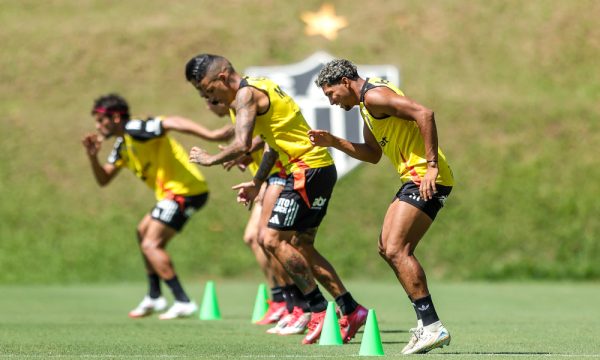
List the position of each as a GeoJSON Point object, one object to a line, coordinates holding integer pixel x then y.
{"type": "Point", "coordinates": [105, 125]}
{"type": "Point", "coordinates": [215, 89]}
{"type": "Point", "coordinates": [218, 108]}
{"type": "Point", "coordinates": [340, 95]}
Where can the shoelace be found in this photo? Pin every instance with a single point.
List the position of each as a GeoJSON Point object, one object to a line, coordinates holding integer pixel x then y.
{"type": "Point", "coordinates": [417, 333]}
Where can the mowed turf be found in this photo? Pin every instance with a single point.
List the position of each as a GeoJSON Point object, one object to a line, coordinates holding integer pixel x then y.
{"type": "Point", "coordinates": [502, 320]}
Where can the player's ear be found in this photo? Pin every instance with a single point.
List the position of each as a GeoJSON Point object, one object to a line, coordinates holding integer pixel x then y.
{"type": "Point", "coordinates": [346, 82]}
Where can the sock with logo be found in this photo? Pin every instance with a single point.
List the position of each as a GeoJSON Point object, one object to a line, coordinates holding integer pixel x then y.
{"type": "Point", "coordinates": [316, 300]}
{"type": "Point", "coordinates": [154, 286]}
{"type": "Point", "coordinates": [346, 303]}
{"type": "Point", "coordinates": [177, 290]}
{"type": "Point", "coordinates": [425, 310]}
{"type": "Point", "coordinates": [277, 294]}
{"type": "Point", "coordinates": [419, 321]}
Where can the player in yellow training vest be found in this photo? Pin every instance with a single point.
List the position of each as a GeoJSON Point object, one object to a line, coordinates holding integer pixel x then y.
{"type": "Point", "coordinates": [144, 147]}
{"type": "Point", "coordinates": [282, 286]}
{"type": "Point", "coordinates": [405, 132]}
{"type": "Point", "coordinates": [261, 107]}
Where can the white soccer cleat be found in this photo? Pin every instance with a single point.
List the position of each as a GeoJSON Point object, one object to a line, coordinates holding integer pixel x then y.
{"type": "Point", "coordinates": [297, 324]}
{"type": "Point", "coordinates": [413, 340]}
{"type": "Point", "coordinates": [179, 310]}
{"type": "Point", "coordinates": [282, 323]}
{"type": "Point", "coordinates": [148, 306]}
{"type": "Point", "coordinates": [428, 338]}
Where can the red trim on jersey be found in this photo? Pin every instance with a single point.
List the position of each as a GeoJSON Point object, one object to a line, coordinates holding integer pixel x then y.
{"type": "Point", "coordinates": [411, 170]}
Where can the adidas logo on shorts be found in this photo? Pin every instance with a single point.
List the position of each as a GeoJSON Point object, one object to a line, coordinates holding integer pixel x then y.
{"type": "Point", "coordinates": [274, 220]}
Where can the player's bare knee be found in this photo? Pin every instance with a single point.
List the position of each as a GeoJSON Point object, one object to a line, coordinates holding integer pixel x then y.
{"type": "Point", "coordinates": [250, 239]}
{"type": "Point", "coordinates": [381, 247]}
{"type": "Point", "coordinates": [271, 243]}
{"type": "Point", "coordinates": [149, 245]}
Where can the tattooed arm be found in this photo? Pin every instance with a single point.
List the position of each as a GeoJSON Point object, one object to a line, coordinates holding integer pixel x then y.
{"type": "Point", "coordinates": [246, 108]}
{"type": "Point", "coordinates": [248, 191]}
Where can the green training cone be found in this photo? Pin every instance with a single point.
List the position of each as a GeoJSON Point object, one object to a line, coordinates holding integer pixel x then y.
{"type": "Point", "coordinates": [260, 304]}
{"type": "Point", "coordinates": [209, 310]}
{"type": "Point", "coordinates": [330, 334]}
{"type": "Point", "coordinates": [371, 340]}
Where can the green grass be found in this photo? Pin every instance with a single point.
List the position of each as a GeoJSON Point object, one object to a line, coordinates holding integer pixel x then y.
{"type": "Point", "coordinates": [514, 85]}
{"type": "Point", "coordinates": [500, 321]}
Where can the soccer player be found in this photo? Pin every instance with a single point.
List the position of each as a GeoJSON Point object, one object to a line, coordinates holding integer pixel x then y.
{"type": "Point", "coordinates": [405, 131]}
{"type": "Point", "coordinates": [261, 107]}
{"type": "Point", "coordinates": [284, 294]}
{"type": "Point", "coordinates": [144, 147]}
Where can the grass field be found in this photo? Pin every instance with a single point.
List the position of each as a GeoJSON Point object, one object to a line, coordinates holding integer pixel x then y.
{"type": "Point", "coordinates": [499, 321]}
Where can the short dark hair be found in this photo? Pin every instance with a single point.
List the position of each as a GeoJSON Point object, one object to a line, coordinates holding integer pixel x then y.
{"type": "Point", "coordinates": [111, 104]}
{"type": "Point", "coordinates": [198, 66]}
{"type": "Point", "coordinates": [333, 72]}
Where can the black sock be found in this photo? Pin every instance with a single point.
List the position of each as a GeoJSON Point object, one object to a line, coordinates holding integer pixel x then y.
{"type": "Point", "coordinates": [154, 286]}
{"type": "Point", "coordinates": [177, 290]}
{"type": "Point", "coordinates": [289, 302]}
{"type": "Point", "coordinates": [316, 300]}
{"type": "Point", "coordinates": [298, 298]}
{"type": "Point", "coordinates": [425, 309]}
{"type": "Point", "coordinates": [277, 294]}
{"type": "Point", "coordinates": [415, 308]}
{"type": "Point", "coordinates": [346, 303]}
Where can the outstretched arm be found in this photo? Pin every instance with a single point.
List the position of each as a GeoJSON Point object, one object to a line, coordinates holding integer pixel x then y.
{"type": "Point", "coordinates": [187, 126]}
{"type": "Point", "coordinates": [102, 173]}
{"type": "Point", "coordinates": [369, 151]}
{"type": "Point", "coordinates": [246, 110]}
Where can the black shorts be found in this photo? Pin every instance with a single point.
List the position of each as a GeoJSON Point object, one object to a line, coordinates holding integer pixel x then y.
{"type": "Point", "coordinates": [303, 202]}
{"type": "Point", "coordinates": [409, 192]}
{"type": "Point", "coordinates": [175, 211]}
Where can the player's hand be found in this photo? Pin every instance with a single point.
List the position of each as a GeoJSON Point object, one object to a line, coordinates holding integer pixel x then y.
{"type": "Point", "coordinates": [320, 138]}
{"type": "Point", "coordinates": [199, 156]}
{"type": "Point", "coordinates": [92, 143]}
{"type": "Point", "coordinates": [427, 187]}
{"type": "Point", "coordinates": [247, 192]}
{"type": "Point", "coordinates": [241, 162]}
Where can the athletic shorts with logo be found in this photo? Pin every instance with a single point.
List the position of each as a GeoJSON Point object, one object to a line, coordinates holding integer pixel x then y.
{"type": "Point", "coordinates": [303, 202]}
{"type": "Point", "coordinates": [409, 192]}
{"type": "Point", "coordinates": [176, 210]}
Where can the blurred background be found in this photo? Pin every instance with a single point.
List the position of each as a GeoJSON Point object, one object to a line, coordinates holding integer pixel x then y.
{"type": "Point", "coordinates": [514, 84]}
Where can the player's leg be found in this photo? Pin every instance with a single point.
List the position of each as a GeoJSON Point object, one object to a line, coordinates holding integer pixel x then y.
{"type": "Point", "coordinates": [169, 217]}
{"type": "Point", "coordinates": [276, 304]}
{"type": "Point", "coordinates": [153, 301]}
{"type": "Point", "coordinates": [295, 313]}
{"type": "Point", "coordinates": [292, 229]}
{"type": "Point", "coordinates": [407, 220]}
{"type": "Point", "coordinates": [354, 315]}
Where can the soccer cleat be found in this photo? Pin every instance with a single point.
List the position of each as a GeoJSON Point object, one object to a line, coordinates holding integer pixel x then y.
{"type": "Point", "coordinates": [349, 324]}
{"type": "Point", "coordinates": [413, 339]}
{"type": "Point", "coordinates": [148, 306]}
{"type": "Point", "coordinates": [315, 325]}
{"type": "Point", "coordinates": [274, 313]}
{"type": "Point", "coordinates": [428, 338]}
{"type": "Point", "coordinates": [282, 323]}
{"type": "Point", "coordinates": [297, 324]}
{"type": "Point", "coordinates": [179, 310]}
